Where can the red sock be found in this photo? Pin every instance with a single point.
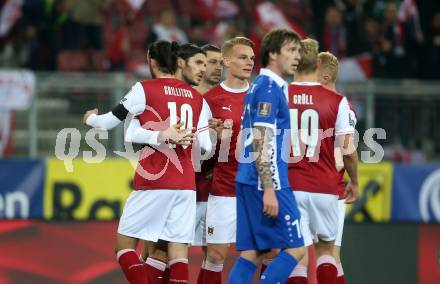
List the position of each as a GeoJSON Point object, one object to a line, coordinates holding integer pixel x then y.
{"type": "Point", "coordinates": [297, 280]}
{"type": "Point", "coordinates": [298, 275]}
{"type": "Point", "coordinates": [132, 266]}
{"type": "Point", "coordinates": [166, 275]}
{"type": "Point", "coordinates": [213, 273]}
{"type": "Point", "coordinates": [155, 270]}
{"type": "Point", "coordinates": [341, 275]}
{"type": "Point", "coordinates": [201, 273]}
{"type": "Point", "coordinates": [341, 279]}
{"type": "Point", "coordinates": [179, 271]}
{"type": "Point", "coordinates": [326, 271]}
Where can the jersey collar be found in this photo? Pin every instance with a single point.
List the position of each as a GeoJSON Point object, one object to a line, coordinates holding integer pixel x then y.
{"type": "Point", "coordinates": [267, 72]}
{"type": "Point", "coordinates": [231, 90]}
{"type": "Point", "coordinates": [306, 83]}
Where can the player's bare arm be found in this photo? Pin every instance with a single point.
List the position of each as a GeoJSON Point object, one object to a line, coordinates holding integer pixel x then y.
{"type": "Point", "coordinates": [263, 149]}
{"type": "Point", "coordinates": [350, 159]}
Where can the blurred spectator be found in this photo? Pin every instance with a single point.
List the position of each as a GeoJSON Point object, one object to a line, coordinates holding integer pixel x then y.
{"type": "Point", "coordinates": [352, 18]}
{"type": "Point", "coordinates": [88, 17]}
{"type": "Point", "coordinates": [226, 30]}
{"type": "Point", "coordinates": [197, 33]}
{"type": "Point", "coordinates": [402, 43]}
{"type": "Point", "coordinates": [118, 48]}
{"type": "Point", "coordinates": [166, 28]}
{"type": "Point", "coordinates": [45, 27]}
{"type": "Point", "coordinates": [334, 35]}
{"type": "Point", "coordinates": [432, 60]}
{"type": "Point", "coordinates": [372, 39]}
{"type": "Point", "coordinates": [393, 44]}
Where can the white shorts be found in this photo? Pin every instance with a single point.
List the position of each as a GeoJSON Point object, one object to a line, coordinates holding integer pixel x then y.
{"type": "Point", "coordinates": [221, 220]}
{"type": "Point", "coordinates": [200, 231]}
{"type": "Point", "coordinates": [319, 216]}
{"type": "Point", "coordinates": [341, 219]}
{"type": "Point", "coordinates": [154, 215]}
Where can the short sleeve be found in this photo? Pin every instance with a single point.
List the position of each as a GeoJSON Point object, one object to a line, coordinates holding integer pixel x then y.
{"type": "Point", "coordinates": [265, 104]}
{"type": "Point", "coordinates": [134, 101]}
{"type": "Point", "coordinates": [352, 116]}
{"type": "Point", "coordinates": [344, 124]}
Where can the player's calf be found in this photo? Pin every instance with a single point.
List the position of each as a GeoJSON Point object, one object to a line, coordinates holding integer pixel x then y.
{"type": "Point", "coordinates": [326, 271]}
{"type": "Point", "coordinates": [299, 274]}
{"type": "Point", "coordinates": [178, 255]}
{"type": "Point", "coordinates": [213, 267]}
{"type": "Point", "coordinates": [281, 267]}
{"type": "Point", "coordinates": [244, 268]}
{"type": "Point", "coordinates": [132, 266]}
{"type": "Point", "coordinates": [337, 256]}
{"type": "Point", "coordinates": [155, 256]}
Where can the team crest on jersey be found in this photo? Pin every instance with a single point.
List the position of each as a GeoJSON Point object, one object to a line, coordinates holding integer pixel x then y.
{"type": "Point", "coordinates": [264, 109]}
{"type": "Point", "coordinates": [210, 230]}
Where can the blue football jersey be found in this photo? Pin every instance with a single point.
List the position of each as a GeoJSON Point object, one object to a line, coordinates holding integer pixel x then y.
{"type": "Point", "coordinates": [265, 105]}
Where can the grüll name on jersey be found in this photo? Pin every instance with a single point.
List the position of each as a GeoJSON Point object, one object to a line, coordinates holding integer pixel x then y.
{"type": "Point", "coordinates": [177, 92]}
{"type": "Point", "coordinates": [303, 99]}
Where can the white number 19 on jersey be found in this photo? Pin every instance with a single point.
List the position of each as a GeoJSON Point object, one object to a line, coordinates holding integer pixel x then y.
{"type": "Point", "coordinates": [308, 134]}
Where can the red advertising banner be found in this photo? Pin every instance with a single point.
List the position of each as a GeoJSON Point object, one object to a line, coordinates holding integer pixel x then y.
{"type": "Point", "coordinates": [429, 254]}
{"type": "Point", "coordinates": [68, 252]}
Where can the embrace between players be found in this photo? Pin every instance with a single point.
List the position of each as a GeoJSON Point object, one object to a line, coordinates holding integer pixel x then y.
{"type": "Point", "coordinates": [275, 158]}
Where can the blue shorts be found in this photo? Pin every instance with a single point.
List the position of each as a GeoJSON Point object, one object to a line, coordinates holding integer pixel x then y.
{"type": "Point", "coordinates": [255, 231]}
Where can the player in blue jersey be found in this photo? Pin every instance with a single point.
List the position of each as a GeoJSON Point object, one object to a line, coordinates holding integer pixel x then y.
{"type": "Point", "coordinates": [267, 215]}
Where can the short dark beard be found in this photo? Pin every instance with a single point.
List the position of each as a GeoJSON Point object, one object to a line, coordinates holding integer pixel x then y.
{"type": "Point", "coordinates": [211, 82]}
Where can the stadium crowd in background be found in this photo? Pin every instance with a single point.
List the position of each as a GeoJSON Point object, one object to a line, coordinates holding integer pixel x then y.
{"type": "Point", "coordinates": [101, 35]}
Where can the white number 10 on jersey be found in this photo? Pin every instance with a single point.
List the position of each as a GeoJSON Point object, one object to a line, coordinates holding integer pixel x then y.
{"type": "Point", "coordinates": [308, 134]}
{"type": "Point", "coordinates": [186, 117]}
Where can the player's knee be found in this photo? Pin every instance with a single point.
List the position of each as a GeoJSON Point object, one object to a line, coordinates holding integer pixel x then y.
{"type": "Point", "coordinates": [297, 253]}
{"type": "Point", "coordinates": [116, 249]}
{"type": "Point", "coordinates": [337, 253]}
{"type": "Point", "coordinates": [305, 259]}
{"type": "Point", "coordinates": [215, 255]}
{"type": "Point", "coordinates": [324, 247]}
{"type": "Point", "coordinates": [271, 254]}
{"type": "Point", "coordinates": [159, 255]}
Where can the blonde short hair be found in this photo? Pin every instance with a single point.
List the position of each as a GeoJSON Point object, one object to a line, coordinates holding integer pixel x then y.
{"type": "Point", "coordinates": [230, 43]}
{"type": "Point", "coordinates": [309, 56]}
{"type": "Point", "coordinates": [329, 63]}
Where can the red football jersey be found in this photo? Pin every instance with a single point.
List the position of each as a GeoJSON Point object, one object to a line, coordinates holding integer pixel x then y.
{"type": "Point", "coordinates": [317, 114]}
{"type": "Point", "coordinates": [168, 101]}
{"type": "Point", "coordinates": [226, 104]}
{"type": "Point", "coordinates": [341, 185]}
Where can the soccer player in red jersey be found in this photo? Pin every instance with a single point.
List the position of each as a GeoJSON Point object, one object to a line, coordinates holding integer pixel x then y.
{"type": "Point", "coordinates": [191, 70]}
{"type": "Point", "coordinates": [226, 102]}
{"type": "Point", "coordinates": [214, 66]}
{"type": "Point", "coordinates": [212, 78]}
{"type": "Point", "coordinates": [162, 206]}
{"type": "Point", "coordinates": [319, 121]}
{"type": "Point", "coordinates": [327, 74]}
{"type": "Point", "coordinates": [191, 64]}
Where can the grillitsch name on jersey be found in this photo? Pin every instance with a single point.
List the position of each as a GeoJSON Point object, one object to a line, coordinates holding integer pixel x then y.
{"type": "Point", "coordinates": [302, 99]}
{"type": "Point", "coordinates": [177, 92]}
